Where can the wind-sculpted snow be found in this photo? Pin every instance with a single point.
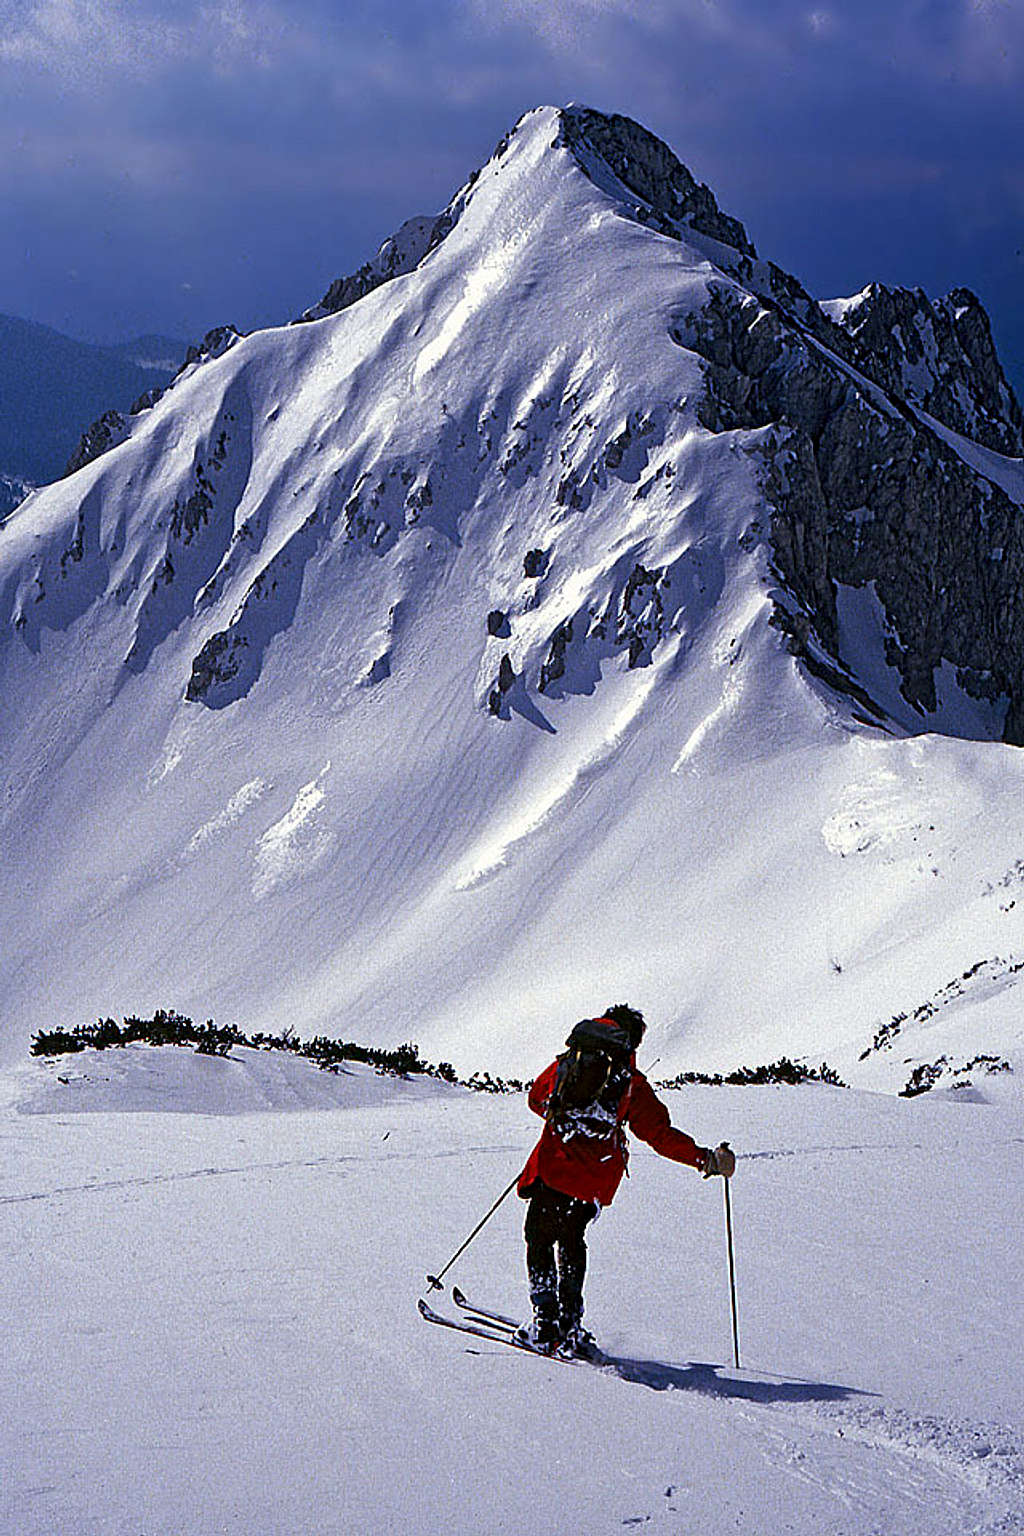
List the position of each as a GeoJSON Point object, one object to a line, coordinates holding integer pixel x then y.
{"type": "Point", "coordinates": [523, 539]}
{"type": "Point", "coordinates": [297, 842]}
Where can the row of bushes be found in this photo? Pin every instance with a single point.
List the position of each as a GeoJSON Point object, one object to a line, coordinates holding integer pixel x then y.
{"type": "Point", "coordinates": [781, 1071]}
{"type": "Point", "coordinates": [927, 1073]}
{"type": "Point", "coordinates": [167, 1027]}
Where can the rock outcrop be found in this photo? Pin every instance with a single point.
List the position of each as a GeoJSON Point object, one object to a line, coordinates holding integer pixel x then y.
{"type": "Point", "coordinates": [936, 354]}
{"type": "Point", "coordinates": [670, 198]}
{"type": "Point", "coordinates": [13, 491]}
{"type": "Point", "coordinates": [106, 432]}
{"type": "Point", "coordinates": [863, 490]}
{"type": "Point", "coordinates": [114, 427]}
{"type": "Point", "coordinates": [400, 253]}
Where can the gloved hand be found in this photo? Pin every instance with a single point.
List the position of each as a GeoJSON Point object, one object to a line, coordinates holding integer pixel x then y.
{"type": "Point", "coordinates": [720, 1159]}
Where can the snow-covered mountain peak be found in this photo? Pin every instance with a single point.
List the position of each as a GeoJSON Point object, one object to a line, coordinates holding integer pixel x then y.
{"type": "Point", "coordinates": [420, 670]}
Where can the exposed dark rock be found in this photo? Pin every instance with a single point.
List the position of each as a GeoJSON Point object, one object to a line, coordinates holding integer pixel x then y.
{"type": "Point", "coordinates": [535, 563]}
{"type": "Point", "coordinates": [12, 493]}
{"type": "Point", "coordinates": [670, 195]}
{"type": "Point", "coordinates": [939, 355]}
{"type": "Point", "coordinates": [497, 624]}
{"type": "Point", "coordinates": [146, 400]}
{"type": "Point", "coordinates": [114, 427]}
{"type": "Point", "coordinates": [553, 666]}
{"type": "Point", "coordinates": [218, 663]}
{"type": "Point", "coordinates": [214, 344]}
{"type": "Point", "coordinates": [189, 516]}
{"type": "Point", "coordinates": [632, 619]}
{"type": "Point", "coordinates": [399, 254]}
{"type": "Point", "coordinates": [864, 492]}
{"type": "Point", "coordinates": [75, 551]}
{"type": "Point", "coordinates": [506, 680]}
{"type": "Point", "coordinates": [107, 432]}
{"type": "Point", "coordinates": [936, 354]}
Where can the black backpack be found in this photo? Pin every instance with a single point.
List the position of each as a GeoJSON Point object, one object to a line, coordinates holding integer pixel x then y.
{"type": "Point", "coordinates": [594, 1073]}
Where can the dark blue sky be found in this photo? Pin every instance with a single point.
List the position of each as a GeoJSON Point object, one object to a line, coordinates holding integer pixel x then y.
{"type": "Point", "coordinates": [168, 165]}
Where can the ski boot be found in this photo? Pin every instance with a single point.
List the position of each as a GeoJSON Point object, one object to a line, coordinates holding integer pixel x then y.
{"type": "Point", "coordinates": [578, 1343]}
{"type": "Point", "coordinates": [544, 1333]}
{"type": "Point", "coordinates": [541, 1335]}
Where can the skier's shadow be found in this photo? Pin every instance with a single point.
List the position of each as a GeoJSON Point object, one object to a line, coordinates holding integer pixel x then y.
{"type": "Point", "coordinates": [708, 1381]}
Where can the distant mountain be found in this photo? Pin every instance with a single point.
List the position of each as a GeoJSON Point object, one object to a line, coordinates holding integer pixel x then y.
{"type": "Point", "coordinates": [52, 387]}
{"type": "Point", "coordinates": [154, 354]}
{"type": "Point", "coordinates": [12, 493]}
{"type": "Point", "coordinates": [569, 609]}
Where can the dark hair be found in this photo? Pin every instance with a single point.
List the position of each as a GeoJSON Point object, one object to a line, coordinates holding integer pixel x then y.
{"type": "Point", "coordinates": [630, 1019]}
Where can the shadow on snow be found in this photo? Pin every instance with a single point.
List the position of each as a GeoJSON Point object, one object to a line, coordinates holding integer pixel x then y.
{"type": "Point", "coordinates": [707, 1380]}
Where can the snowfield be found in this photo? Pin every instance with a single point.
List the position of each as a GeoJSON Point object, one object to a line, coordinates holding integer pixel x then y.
{"type": "Point", "coordinates": [415, 674]}
{"type": "Point", "coordinates": [211, 1269]}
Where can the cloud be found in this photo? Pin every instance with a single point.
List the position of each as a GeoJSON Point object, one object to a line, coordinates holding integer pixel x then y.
{"type": "Point", "coordinates": [971, 40]}
{"type": "Point", "coordinates": [83, 43]}
{"type": "Point", "coordinates": [277, 142]}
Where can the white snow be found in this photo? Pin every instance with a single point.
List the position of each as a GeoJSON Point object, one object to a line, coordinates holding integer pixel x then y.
{"type": "Point", "coordinates": [297, 842]}
{"type": "Point", "coordinates": [862, 631]}
{"type": "Point", "coordinates": [211, 1269]}
{"type": "Point", "coordinates": [839, 309]}
{"type": "Point", "coordinates": [241, 801]}
{"type": "Point", "coordinates": [1005, 472]}
{"type": "Point", "coordinates": [211, 1265]}
{"type": "Point", "coordinates": [692, 833]}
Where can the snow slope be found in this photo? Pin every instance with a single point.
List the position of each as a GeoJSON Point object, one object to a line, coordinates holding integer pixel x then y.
{"type": "Point", "coordinates": [273, 744]}
{"type": "Point", "coordinates": [211, 1318]}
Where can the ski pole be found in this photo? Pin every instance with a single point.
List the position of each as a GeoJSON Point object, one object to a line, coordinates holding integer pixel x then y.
{"type": "Point", "coordinates": [434, 1281]}
{"type": "Point", "coordinates": [732, 1276]}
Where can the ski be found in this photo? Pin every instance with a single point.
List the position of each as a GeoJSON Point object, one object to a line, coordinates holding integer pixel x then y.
{"type": "Point", "coordinates": [499, 1331]}
{"type": "Point", "coordinates": [480, 1328]}
{"type": "Point", "coordinates": [484, 1314]}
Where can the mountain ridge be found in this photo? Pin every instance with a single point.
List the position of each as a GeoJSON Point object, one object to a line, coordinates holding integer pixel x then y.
{"type": "Point", "coordinates": [443, 641]}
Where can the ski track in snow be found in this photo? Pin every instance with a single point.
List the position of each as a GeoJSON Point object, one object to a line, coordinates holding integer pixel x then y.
{"type": "Point", "coordinates": [247, 1279]}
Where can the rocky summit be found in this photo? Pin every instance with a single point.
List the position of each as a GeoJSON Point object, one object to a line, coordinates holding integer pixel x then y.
{"type": "Point", "coordinates": [567, 604]}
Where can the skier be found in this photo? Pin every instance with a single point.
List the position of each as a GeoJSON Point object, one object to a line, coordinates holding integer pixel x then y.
{"type": "Point", "coordinates": [587, 1097]}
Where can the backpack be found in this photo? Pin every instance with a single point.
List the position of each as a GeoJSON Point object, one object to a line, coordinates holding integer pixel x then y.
{"type": "Point", "coordinates": [594, 1073]}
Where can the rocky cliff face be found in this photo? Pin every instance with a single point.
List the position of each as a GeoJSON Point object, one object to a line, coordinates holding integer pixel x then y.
{"type": "Point", "coordinates": [666, 196]}
{"type": "Point", "coordinates": [400, 253]}
{"type": "Point", "coordinates": [864, 492]}
{"type": "Point", "coordinates": [936, 354]}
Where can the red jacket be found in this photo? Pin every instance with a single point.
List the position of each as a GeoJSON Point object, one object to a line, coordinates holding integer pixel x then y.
{"type": "Point", "coordinates": [592, 1169]}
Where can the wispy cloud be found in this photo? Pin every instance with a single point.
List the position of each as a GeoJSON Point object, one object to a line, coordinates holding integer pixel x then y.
{"type": "Point", "coordinates": [84, 43]}
{"type": "Point", "coordinates": [246, 138]}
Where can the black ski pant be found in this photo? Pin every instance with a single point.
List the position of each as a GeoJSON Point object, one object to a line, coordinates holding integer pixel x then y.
{"type": "Point", "coordinates": [556, 1255]}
